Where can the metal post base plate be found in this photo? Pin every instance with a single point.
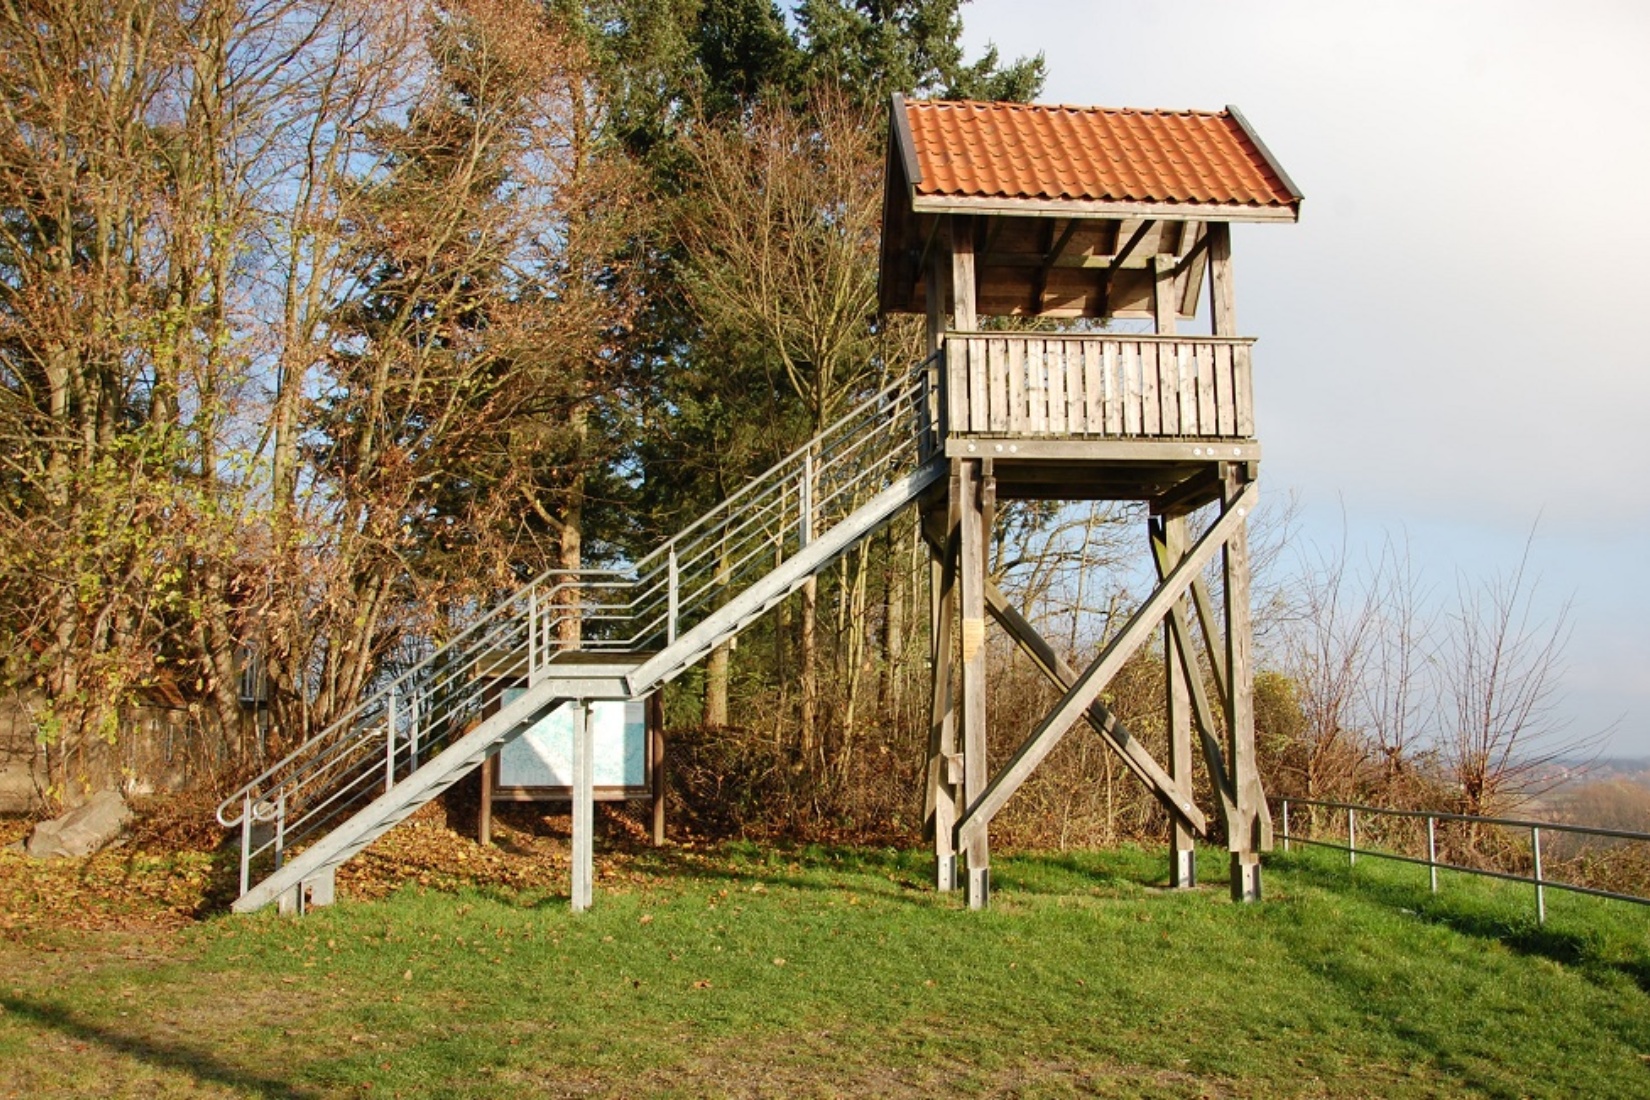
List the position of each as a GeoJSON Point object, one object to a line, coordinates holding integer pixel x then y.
{"type": "Point", "coordinates": [1245, 877]}
{"type": "Point", "coordinates": [1182, 868]}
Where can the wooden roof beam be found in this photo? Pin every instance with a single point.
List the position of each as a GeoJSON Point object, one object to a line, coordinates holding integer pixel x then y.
{"type": "Point", "coordinates": [1050, 258]}
{"type": "Point", "coordinates": [1118, 259]}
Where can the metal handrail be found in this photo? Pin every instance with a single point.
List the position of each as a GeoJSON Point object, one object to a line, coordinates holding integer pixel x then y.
{"type": "Point", "coordinates": [1433, 864]}
{"type": "Point", "coordinates": [644, 605]}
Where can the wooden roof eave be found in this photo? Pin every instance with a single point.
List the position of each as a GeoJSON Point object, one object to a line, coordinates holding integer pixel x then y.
{"type": "Point", "coordinates": [1099, 208]}
{"type": "Point", "coordinates": [902, 173]}
{"type": "Point", "coordinates": [1265, 154]}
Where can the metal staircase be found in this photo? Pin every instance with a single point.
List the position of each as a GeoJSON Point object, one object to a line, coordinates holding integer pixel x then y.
{"type": "Point", "coordinates": [590, 634]}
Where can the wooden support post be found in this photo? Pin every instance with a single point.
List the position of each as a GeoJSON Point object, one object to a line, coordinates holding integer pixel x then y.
{"type": "Point", "coordinates": [940, 802]}
{"type": "Point", "coordinates": [656, 745]}
{"type": "Point", "coordinates": [964, 317]}
{"type": "Point", "coordinates": [1165, 302]}
{"type": "Point", "coordinates": [1244, 831]}
{"type": "Point", "coordinates": [971, 566]}
{"type": "Point", "coordinates": [484, 810]}
{"type": "Point", "coordinates": [935, 282]}
{"type": "Point", "coordinates": [1178, 705]}
{"type": "Point", "coordinates": [584, 821]}
{"type": "Point", "coordinates": [1222, 298]}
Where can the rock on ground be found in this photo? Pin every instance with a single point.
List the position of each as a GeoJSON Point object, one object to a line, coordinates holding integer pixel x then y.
{"type": "Point", "coordinates": [88, 828]}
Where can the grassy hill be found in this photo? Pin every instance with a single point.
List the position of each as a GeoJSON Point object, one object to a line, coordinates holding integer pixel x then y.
{"type": "Point", "coordinates": [740, 971]}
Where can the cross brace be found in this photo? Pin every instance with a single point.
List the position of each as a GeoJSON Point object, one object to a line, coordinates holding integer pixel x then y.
{"type": "Point", "coordinates": [1112, 731]}
{"type": "Point", "coordinates": [1086, 689]}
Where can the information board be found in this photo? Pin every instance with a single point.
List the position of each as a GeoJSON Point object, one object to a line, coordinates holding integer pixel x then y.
{"type": "Point", "coordinates": [543, 755]}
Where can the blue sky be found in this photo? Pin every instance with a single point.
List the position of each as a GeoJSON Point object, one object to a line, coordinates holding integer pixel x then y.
{"type": "Point", "coordinates": [1450, 340]}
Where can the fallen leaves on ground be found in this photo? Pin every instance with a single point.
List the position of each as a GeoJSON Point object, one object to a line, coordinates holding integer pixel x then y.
{"type": "Point", "coordinates": [172, 871]}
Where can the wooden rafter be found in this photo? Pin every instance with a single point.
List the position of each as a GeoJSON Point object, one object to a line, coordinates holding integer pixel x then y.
{"type": "Point", "coordinates": [1051, 256]}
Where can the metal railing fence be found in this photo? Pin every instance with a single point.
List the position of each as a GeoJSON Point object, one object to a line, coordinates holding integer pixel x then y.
{"type": "Point", "coordinates": [1343, 821]}
{"type": "Point", "coordinates": [637, 609]}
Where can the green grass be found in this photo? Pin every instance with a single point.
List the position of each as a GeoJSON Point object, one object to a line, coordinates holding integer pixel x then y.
{"type": "Point", "coordinates": [820, 972]}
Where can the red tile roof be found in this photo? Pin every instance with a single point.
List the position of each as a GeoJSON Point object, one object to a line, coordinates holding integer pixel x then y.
{"type": "Point", "coordinates": [1097, 154]}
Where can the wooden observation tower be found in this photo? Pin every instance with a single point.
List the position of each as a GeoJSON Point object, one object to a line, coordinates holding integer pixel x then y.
{"type": "Point", "coordinates": [1086, 215]}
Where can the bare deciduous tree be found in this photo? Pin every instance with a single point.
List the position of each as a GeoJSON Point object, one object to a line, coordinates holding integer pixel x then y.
{"type": "Point", "coordinates": [781, 233]}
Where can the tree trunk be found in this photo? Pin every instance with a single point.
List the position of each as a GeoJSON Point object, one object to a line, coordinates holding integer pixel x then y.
{"type": "Point", "coordinates": [716, 686]}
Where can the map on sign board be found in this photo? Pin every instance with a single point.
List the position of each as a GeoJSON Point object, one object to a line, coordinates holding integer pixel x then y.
{"type": "Point", "coordinates": [543, 755]}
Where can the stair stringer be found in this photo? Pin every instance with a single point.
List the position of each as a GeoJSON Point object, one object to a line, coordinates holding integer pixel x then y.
{"type": "Point", "coordinates": [786, 578]}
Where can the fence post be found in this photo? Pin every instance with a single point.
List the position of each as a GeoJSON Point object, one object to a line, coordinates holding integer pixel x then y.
{"type": "Point", "coordinates": [389, 742]}
{"type": "Point", "coordinates": [672, 595]}
{"type": "Point", "coordinates": [1351, 836]}
{"type": "Point", "coordinates": [1540, 890]}
{"type": "Point", "coordinates": [1432, 853]}
{"type": "Point", "coordinates": [1286, 824]}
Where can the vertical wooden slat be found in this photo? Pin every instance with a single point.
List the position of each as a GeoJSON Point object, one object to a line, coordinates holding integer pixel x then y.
{"type": "Point", "coordinates": [997, 379]}
{"type": "Point", "coordinates": [1077, 411]}
{"type": "Point", "coordinates": [1225, 410]}
{"type": "Point", "coordinates": [979, 399]}
{"type": "Point", "coordinates": [1036, 387]}
{"type": "Point", "coordinates": [1186, 371]}
{"type": "Point", "coordinates": [1151, 420]}
{"type": "Point", "coordinates": [1094, 393]}
{"type": "Point", "coordinates": [1168, 373]}
{"type": "Point", "coordinates": [1077, 402]}
{"type": "Point", "coordinates": [1206, 424]}
{"type": "Point", "coordinates": [1018, 419]}
{"type": "Point", "coordinates": [1112, 372]}
{"type": "Point", "coordinates": [1054, 365]}
{"type": "Point", "coordinates": [956, 384]}
{"type": "Point", "coordinates": [1131, 388]}
{"type": "Point", "coordinates": [1243, 391]}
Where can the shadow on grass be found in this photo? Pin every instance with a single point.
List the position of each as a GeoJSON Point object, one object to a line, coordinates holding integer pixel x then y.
{"type": "Point", "coordinates": [223, 882]}
{"type": "Point", "coordinates": [898, 874]}
{"type": "Point", "coordinates": [1518, 933]}
{"type": "Point", "coordinates": [200, 1065]}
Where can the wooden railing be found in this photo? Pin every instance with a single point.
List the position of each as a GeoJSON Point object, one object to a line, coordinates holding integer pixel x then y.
{"type": "Point", "coordinates": [1092, 385]}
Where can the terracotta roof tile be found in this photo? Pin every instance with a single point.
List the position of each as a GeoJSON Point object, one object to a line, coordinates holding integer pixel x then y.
{"type": "Point", "coordinates": [1009, 150]}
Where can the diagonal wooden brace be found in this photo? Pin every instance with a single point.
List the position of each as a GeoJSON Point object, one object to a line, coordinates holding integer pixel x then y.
{"type": "Point", "coordinates": [1134, 755]}
{"type": "Point", "coordinates": [1092, 682]}
{"type": "Point", "coordinates": [1202, 711]}
{"type": "Point", "coordinates": [941, 734]}
{"type": "Point", "coordinates": [1201, 708]}
{"type": "Point", "coordinates": [1105, 723]}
